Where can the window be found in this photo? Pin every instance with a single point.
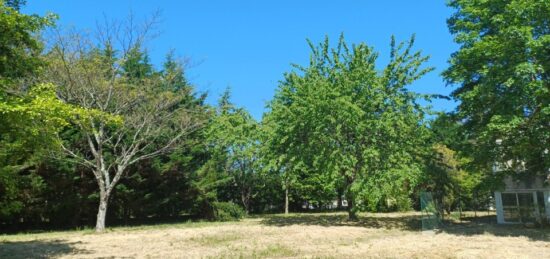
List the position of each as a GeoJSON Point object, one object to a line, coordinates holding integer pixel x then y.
{"type": "Point", "coordinates": [520, 206]}
{"type": "Point", "coordinates": [527, 210]}
{"type": "Point", "coordinates": [510, 207]}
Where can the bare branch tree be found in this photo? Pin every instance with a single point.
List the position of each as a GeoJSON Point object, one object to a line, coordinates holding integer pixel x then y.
{"type": "Point", "coordinates": [87, 70]}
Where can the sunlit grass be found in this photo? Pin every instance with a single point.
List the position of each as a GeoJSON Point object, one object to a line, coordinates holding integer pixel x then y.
{"type": "Point", "coordinates": [316, 235]}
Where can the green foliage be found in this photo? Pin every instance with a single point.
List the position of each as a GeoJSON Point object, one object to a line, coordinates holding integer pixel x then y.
{"type": "Point", "coordinates": [449, 175]}
{"type": "Point", "coordinates": [443, 174]}
{"type": "Point", "coordinates": [173, 73]}
{"type": "Point", "coordinates": [390, 191]}
{"type": "Point", "coordinates": [205, 186]}
{"type": "Point", "coordinates": [446, 130]}
{"type": "Point", "coordinates": [29, 119]}
{"type": "Point", "coordinates": [136, 64]}
{"type": "Point", "coordinates": [227, 211]}
{"type": "Point", "coordinates": [503, 75]}
{"type": "Point", "coordinates": [15, 4]}
{"type": "Point", "coordinates": [153, 111]}
{"type": "Point", "coordinates": [342, 117]}
{"type": "Point", "coordinates": [233, 138]}
{"type": "Point", "coordinates": [19, 49]}
{"type": "Point", "coordinates": [29, 134]}
{"type": "Point", "coordinates": [338, 127]}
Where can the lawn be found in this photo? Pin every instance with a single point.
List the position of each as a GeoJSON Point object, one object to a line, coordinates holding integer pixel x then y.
{"type": "Point", "coordinates": [327, 235]}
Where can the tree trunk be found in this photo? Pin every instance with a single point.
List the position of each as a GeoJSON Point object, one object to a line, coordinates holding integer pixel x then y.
{"type": "Point", "coordinates": [246, 201]}
{"type": "Point", "coordinates": [286, 200]}
{"type": "Point", "coordinates": [339, 205]}
{"type": "Point", "coordinates": [101, 213]}
{"type": "Point", "coordinates": [352, 214]}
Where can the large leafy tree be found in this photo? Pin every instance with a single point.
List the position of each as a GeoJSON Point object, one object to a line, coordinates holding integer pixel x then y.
{"type": "Point", "coordinates": [30, 115]}
{"type": "Point", "coordinates": [108, 75]}
{"type": "Point", "coordinates": [165, 186]}
{"type": "Point", "coordinates": [342, 118]}
{"type": "Point", "coordinates": [502, 70]}
{"type": "Point", "coordinates": [28, 127]}
{"type": "Point", "coordinates": [449, 173]}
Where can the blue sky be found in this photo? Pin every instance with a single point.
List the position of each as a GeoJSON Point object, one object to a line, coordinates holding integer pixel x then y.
{"type": "Point", "coordinates": [248, 45]}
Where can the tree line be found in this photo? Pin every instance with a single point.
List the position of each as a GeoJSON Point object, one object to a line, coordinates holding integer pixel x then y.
{"type": "Point", "coordinates": [92, 132]}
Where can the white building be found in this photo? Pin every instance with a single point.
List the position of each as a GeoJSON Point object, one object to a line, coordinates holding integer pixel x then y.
{"type": "Point", "coordinates": [523, 201]}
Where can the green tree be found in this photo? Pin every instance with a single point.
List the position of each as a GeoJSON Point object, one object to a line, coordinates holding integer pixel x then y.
{"type": "Point", "coordinates": [235, 135]}
{"type": "Point", "coordinates": [173, 72]}
{"type": "Point", "coordinates": [135, 65]}
{"type": "Point", "coordinates": [29, 116]}
{"type": "Point", "coordinates": [148, 120]}
{"type": "Point", "coordinates": [502, 71]}
{"type": "Point", "coordinates": [28, 130]}
{"type": "Point", "coordinates": [442, 173]}
{"type": "Point", "coordinates": [450, 172]}
{"type": "Point", "coordinates": [342, 117]}
{"type": "Point", "coordinates": [19, 47]}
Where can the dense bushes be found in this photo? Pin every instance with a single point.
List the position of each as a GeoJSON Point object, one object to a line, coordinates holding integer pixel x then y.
{"type": "Point", "coordinates": [227, 211]}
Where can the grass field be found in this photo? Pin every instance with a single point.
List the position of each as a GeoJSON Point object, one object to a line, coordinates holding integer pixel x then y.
{"type": "Point", "coordinates": [328, 235]}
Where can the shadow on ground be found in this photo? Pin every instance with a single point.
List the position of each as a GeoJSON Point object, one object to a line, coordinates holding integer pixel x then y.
{"type": "Point", "coordinates": [469, 226]}
{"type": "Point", "coordinates": [408, 222]}
{"type": "Point", "coordinates": [38, 249]}
{"type": "Point", "coordinates": [40, 227]}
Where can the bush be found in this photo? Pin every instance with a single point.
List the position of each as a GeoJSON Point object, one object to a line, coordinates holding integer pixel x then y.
{"type": "Point", "coordinates": [227, 211]}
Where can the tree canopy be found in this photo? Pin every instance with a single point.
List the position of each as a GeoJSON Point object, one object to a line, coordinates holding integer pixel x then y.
{"type": "Point", "coordinates": [502, 72]}
{"type": "Point", "coordinates": [341, 120]}
{"type": "Point", "coordinates": [94, 130]}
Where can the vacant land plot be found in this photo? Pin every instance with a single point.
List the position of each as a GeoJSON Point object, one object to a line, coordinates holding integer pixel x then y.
{"type": "Point", "coordinates": [294, 236]}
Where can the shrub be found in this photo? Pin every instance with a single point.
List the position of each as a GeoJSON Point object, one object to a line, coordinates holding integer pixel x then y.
{"type": "Point", "coordinates": [227, 211]}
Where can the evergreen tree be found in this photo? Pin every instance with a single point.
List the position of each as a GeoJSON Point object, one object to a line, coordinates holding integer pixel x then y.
{"type": "Point", "coordinates": [135, 64]}
{"type": "Point", "coordinates": [234, 139]}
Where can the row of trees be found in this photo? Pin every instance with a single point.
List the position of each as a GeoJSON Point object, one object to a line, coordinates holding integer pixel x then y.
{"type": "Point", "coordinates": [89, 126]}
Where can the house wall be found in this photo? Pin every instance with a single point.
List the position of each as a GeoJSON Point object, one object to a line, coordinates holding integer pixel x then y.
{"type": "Point", "coordinates": [526, 183]}
{"type": "Point", "coordinates": [499, 206]}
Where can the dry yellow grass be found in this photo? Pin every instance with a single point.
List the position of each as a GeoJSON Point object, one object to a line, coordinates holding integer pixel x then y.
{"type": "Point", "coordinates": [394, 235]}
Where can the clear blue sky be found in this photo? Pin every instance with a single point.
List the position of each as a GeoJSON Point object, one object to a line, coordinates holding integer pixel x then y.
{"type": "Point", "coordinates": [248, 45]}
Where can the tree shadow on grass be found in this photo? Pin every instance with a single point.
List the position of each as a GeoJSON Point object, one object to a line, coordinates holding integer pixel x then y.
{"type": "Point", "coordinates": [469, 226]}
{"type": "Point", "coordinates": [405, 222]}
{"type": "Point", "coordinates": [17, 228]}
{"type": "Point", "coordinates": [38, 249]}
